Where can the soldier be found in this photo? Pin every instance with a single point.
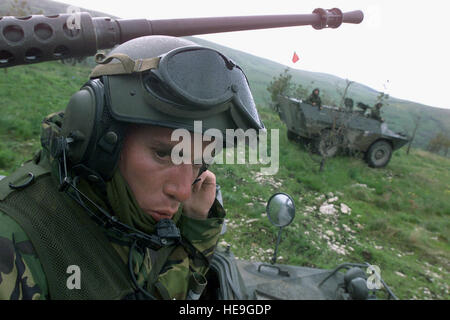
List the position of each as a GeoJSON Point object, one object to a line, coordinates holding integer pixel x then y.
{"type": "Point", "coordinates": [363, 108]}
{"type": "Point", "coordinates": [348, 102]}
{"type": "Point", "coordinates": [314, 99]}
{"type": "Point", "coordinates": [103, 211]}
{"type": "Point", "coordinates": [376, 112]}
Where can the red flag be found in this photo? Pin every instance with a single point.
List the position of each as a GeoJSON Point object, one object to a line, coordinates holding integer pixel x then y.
{"type": "Point", "coordinates": [295, 58]}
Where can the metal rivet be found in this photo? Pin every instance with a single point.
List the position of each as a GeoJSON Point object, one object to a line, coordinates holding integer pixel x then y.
{"type": "Point", "coordinates": [132, 93]}
{"type": "Point", "coordinates": [111, 137]}
{"type": "Point", "coordinates": [234, 88]}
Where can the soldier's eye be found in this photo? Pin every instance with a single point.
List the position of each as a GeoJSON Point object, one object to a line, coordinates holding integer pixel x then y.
{"type": "Point", "coordinates": [163, 154]}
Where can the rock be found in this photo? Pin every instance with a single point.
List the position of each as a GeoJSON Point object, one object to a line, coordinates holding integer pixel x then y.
{"type": "Point", "coordinates": [361, 185]}
{"type": "Point", "coordinates": [321, 197]}
{"type": "Point", "coordinates": [252, 220]}
{"type": "Point", "coordinates": [346, 228]}
{"type": "Point", "coordinates": [345, 209]}
{"type": "Point", "coordinates": [327, 208]}
{"type": "Point", "coordinates": [334, 199]}
{"type": "Point", "coordinates": [400, 274]}
{"type": "Point", "coordinates": [329, 232]}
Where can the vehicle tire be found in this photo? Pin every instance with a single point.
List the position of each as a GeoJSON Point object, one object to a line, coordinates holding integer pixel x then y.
{"type": "Point", "coordinates": [379, 154]}
{"type": "Point", "coordinates": [327, 145]}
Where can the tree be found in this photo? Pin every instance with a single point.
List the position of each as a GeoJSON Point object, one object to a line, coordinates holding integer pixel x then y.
{"type": "Point", "coordinates": [334, 139]}
{"type": "Point", "coordinates": [21, 8]}
{"type": "Point", "coordinates": [300, 92]}
{"type": "Point", "coordinates": [413, 135]}
{"type": "Point", "coordinates": [439, 142]}
{"type": "Point", "coordinates": [281, 85]}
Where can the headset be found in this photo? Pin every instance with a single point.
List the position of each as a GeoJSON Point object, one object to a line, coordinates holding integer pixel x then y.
{"type": "Point", "coordinates": [94, 138]}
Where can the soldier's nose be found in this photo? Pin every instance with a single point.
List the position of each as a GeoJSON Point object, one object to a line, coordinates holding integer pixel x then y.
{"type": "Point", "coordinates": [179, 182]}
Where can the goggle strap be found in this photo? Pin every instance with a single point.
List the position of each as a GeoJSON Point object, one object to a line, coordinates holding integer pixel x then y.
{"type": "Point", "coordinates": [126, 65]}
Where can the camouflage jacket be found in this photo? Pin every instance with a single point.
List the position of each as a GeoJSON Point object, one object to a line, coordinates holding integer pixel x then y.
{"type": "Point", "coordinates": [314, 100]}
{"type": "Point", "coordinates": [375, 113]}
{"type": "Point", "coordinates": [22, 275]}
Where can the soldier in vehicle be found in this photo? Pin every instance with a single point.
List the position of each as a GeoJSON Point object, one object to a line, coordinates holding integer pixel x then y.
{"type": "Point", "coordinates": [103, 211]}
{"type": "Point", "coordinates": [376, 112]}
{"type": "Point", "coordinates": [348, 102]}
{"type": "Point", "coordinates": [314, 99]}
{"type": "Point", "coordinates": [363, 108]}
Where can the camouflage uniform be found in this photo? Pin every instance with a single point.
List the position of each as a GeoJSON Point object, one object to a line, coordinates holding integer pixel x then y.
{"type": "Point", "coordinates": [376, 112]}
{"type": "Point", "coordinates": [22, 274]}
{"type": "Point", "coordinates": [314, 99]}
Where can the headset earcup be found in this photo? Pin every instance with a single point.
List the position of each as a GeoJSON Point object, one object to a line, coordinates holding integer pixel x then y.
{"type": "Point", "coordinates": [79, 123]}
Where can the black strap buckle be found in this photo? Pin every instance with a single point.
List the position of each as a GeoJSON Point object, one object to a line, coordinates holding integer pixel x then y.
{"type": "Point", "coordinates": [23, 185]}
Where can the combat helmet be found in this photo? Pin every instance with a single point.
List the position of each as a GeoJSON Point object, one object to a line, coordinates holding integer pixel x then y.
{"type": "Point", "coordinates": [155, 80]}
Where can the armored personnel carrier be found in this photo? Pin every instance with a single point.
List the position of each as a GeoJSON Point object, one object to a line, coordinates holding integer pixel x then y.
{"type": "Point", "coordinates": [330, 130]}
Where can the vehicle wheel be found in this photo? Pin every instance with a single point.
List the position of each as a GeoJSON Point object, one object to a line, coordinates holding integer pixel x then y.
{"type": "Point", "coordinates": [327, 145]}
{"type": "Point", "coordinates": [379, 154]}
{"type": "Point", "coordinates": [291, 135]}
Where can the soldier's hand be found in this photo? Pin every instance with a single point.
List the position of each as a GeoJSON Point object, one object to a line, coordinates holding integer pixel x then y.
{"type": "Point", "coordinates": [202, 197]}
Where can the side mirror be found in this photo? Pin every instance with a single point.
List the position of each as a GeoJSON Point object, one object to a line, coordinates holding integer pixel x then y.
{"type": "Point", "coordinates": [280, 211]}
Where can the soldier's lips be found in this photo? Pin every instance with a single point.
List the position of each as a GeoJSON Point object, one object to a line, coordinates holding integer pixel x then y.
{"type": "Point", "coordinates": [158, 215]}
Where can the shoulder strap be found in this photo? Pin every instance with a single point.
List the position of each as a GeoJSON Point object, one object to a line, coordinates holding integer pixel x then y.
{"type": "Point", "coordinates": [21, 178]}
{"type": "Point", "coordinates": [158, 258]}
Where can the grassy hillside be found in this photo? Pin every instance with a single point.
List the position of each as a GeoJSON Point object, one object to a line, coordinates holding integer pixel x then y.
{"type": "Point", "coordinates": [399, 217]}
{"type": "Point", "coordinates": [399, 114]}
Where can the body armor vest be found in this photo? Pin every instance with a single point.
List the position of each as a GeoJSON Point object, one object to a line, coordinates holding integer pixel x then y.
{"type": "Point", "coordinates": [63, 235]}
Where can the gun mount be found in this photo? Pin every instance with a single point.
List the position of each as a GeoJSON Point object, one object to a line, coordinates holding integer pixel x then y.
{"type": "Point", "coordinates": [39, 38]}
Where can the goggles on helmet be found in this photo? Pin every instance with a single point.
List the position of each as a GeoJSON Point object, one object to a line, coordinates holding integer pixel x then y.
{"type": "Point", "coordinates": [185, 84]}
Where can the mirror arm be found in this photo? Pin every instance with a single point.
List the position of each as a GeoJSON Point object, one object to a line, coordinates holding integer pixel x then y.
{"type": "Point", "coordinates": [274, 259]}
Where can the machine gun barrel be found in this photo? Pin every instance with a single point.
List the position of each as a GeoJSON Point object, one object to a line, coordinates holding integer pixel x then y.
{"type": "Point", "coordinates": [39, 38]}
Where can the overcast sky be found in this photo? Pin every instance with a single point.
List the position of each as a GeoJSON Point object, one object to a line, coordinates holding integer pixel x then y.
{"type": "Point", "coordinates": [400, 48]}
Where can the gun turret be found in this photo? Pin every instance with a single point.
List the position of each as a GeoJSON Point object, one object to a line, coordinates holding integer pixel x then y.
{"type": "Point", "coordinates": [39, 38]}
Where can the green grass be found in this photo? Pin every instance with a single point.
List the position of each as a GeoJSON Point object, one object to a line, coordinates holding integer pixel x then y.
{"type": "Point", "coordinates": [399, 222]}
{"type": "Point", "coordinates": [28, 94]}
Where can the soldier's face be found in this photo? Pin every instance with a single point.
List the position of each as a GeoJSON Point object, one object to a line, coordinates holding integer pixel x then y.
{"type": "Point", "coordinates": [158, 185]}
